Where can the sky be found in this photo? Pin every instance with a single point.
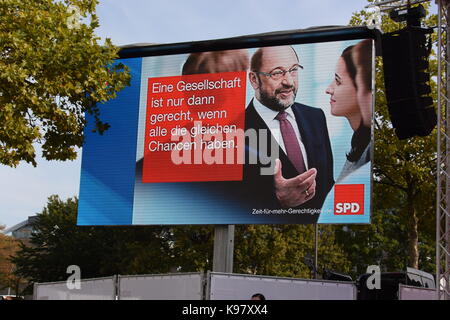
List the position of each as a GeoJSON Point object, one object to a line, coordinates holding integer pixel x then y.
{"type": "Point", "coordinates": [25, 189]}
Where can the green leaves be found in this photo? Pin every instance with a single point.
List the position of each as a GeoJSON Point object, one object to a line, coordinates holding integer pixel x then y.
{"type": "Point", "coordinates": [50, 75]}
{"type": "Point", "coordinates": [58, 242]}
{"type": "Point", "coordinates": [279, 250]}
{"type": "Point", "coordinates": [104, 251]}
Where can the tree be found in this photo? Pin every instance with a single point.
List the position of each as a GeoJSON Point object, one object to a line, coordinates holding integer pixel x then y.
{"type": "Point", "coordinates": [52, 71]}
{"type": "Point", "coordinates": [57, 242]}
{"type": "Point", "coordinates": [192, 248]}
{"type": "Point", "coordinates": [380, 243]}
{"type": "Point", "coordinates": [280, 250]}
{"type": "Point", "coordinates": [404, 174]}
{"type": "Point", "coordinates": [8, 247]}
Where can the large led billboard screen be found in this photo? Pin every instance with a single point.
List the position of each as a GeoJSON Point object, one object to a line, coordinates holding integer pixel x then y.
{"type": "Point", "coordinates": [256, 130]}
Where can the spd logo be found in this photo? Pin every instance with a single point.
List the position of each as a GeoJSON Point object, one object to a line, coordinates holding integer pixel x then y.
{"type": "Point", "coordinates": [348, 199]}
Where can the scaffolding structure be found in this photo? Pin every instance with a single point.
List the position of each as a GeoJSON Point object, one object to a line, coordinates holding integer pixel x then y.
{"type": "Point", "coordinates": [443, 155]}
{"type": "Point", "coordinates": [443, 140]}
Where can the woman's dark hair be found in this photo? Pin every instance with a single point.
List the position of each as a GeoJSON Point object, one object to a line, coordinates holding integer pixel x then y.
{"type": "Point", "coordinates": [349, 63]}
{"type": "Point", "coordinates": [362, 56]}
{"type": "Point", "coordinates": [360, 139]}
{"type": "Point", "coordinates": [359, 55]}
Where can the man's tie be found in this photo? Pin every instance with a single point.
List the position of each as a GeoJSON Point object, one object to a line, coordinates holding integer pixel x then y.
{"type": "Point", "coordinates": [293, 150]}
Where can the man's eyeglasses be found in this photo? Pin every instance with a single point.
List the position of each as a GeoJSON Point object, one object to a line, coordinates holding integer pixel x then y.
{"type": "Point", "coordinates": [277, 74]}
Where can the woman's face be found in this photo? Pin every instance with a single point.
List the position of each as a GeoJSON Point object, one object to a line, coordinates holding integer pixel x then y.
{"type": "Point", "coordinates": [342, 93]}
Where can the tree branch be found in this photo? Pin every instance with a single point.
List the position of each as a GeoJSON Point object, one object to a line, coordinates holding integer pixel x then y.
{"type": "Point", "coordinates": [392, 182]}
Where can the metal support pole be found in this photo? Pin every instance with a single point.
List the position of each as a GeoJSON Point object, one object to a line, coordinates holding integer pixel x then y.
{"type": "Point", "coordinates": [223, 248]}
{"type": "Point", "coordinates": [447, 188]}
{"type": "Point", "coordinates": [443, 155]}
{"type": "Point", "coordinates": [439, 153]}
{"type": "Point", "coordinates": [316, 248]}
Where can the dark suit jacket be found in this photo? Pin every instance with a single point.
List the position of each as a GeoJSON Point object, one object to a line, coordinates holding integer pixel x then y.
{"type": "Point", "coordinates": [314, 132]}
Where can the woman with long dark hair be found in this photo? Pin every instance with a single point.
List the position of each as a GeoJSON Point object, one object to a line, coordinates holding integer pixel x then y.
{"type": "Point", "coordinates": [351, 97]}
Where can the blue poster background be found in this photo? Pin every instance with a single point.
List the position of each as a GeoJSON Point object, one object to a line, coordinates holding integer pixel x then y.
{"type": "Point", "coordinates": [111, 191]}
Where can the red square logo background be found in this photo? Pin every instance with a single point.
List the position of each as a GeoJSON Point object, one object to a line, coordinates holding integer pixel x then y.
{"type": "Point", "coordinates": [348, 195]}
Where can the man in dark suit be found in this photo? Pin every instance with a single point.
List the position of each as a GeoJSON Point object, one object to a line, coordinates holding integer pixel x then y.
{"type": "Point", "coordinates": [303, 173]}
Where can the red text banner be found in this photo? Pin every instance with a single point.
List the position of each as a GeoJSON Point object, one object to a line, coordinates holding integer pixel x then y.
{"type": "Point", "coordinates": [194, 128]}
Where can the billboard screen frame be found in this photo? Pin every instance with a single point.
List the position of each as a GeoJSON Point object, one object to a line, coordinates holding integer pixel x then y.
{"type": "Point", "coordinates": [294, 37]}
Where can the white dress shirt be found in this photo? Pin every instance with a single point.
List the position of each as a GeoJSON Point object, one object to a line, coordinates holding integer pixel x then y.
{"type": "Point", "coordinates": [269, 115]}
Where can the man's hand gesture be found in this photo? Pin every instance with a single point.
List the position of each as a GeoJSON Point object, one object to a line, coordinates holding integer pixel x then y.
{"type": "Point", "coordinates": [295, 191]}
